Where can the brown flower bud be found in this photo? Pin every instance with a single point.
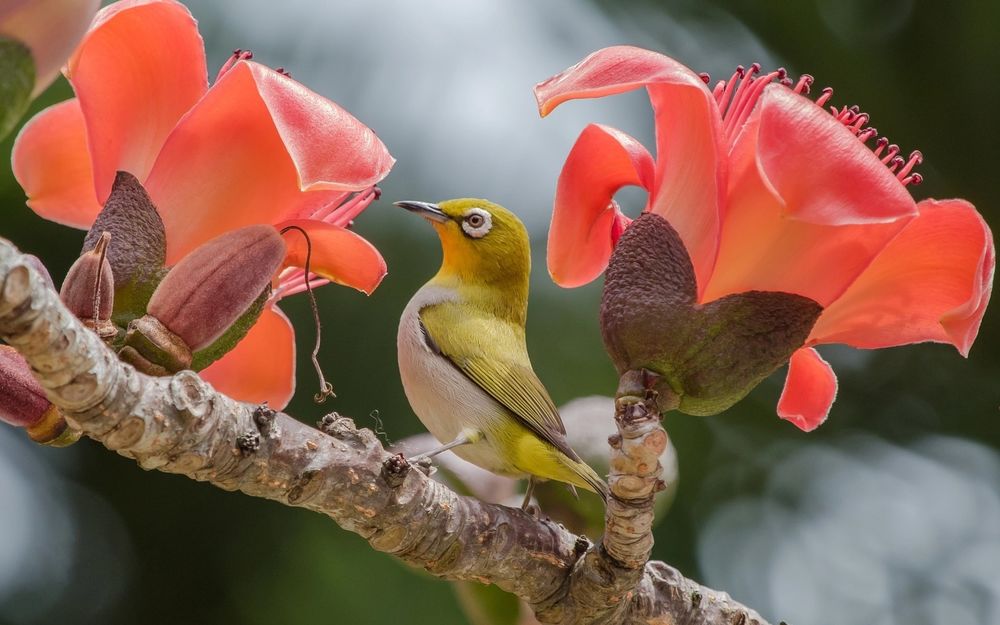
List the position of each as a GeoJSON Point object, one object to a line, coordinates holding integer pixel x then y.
{"type": "Point", "coordinates": [212, 286]}
{"type": "Point", "coordinates": [88, 290]}
{"type": "Point", "coordinates": [23, 402]}
{"type": "Point", "coordinates": [138, 247]}
{"type": "Point", "coordinates": [202, 296]}
{"type": "Point", "coordinates": [700, 358]}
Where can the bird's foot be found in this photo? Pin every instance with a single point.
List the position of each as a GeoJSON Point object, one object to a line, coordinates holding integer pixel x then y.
{"type": "Point", "coordinates": [423, 464]}
{"type": "Point", "coordinates": [533, 510]}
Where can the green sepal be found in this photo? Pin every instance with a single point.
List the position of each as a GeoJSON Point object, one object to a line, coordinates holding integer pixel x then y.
{"type": "Point", "coordinates": [131, 298]}
{"type": "Point", "coordinates": [17, 80]}
{"type": "Point", "coordinates": [705, 357]}
{"type": "Point", "coordinates": [232, 336]}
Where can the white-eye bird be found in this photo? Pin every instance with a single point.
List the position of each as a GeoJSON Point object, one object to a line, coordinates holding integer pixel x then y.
{"type": "Point", "coordinates": [462, 354]}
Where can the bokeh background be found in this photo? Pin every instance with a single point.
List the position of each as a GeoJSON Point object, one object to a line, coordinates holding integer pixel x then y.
{"type": "Point", "coordinates": [889, 513]}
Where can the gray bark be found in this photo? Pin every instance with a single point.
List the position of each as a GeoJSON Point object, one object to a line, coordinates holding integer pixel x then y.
{"type": "Point", "coordinates": [180, 424]}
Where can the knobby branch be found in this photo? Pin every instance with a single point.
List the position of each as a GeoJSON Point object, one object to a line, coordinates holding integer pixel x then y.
{"type": "Point", "coordinates": [180, 424]}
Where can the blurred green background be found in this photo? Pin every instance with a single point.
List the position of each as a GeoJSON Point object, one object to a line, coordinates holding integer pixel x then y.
{"type": "Point", "coordinates": [889, 513]}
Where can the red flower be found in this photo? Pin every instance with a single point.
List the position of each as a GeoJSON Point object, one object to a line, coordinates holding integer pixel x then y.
{"type": "Point", "coordinates": [770, 191]}
{"type": "Point", "coordinates": [255, 148]}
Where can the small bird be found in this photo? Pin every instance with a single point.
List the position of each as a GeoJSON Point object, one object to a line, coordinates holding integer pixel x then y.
{"type": "Point", "coordinates": [463, 358]}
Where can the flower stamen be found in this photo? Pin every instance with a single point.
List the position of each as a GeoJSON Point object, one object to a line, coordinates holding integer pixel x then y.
{"type": "Point", "coordinates": [341, 213]}
{"type": "Point", "coordinates": [737, 97]}
{"type": "Point", "coordinates": [237, 56]}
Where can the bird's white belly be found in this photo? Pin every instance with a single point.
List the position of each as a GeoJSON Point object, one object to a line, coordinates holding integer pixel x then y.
{"type": "Point", "coordinates": [444, 400]}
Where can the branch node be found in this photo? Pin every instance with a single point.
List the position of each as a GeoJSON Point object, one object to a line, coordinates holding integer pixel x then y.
{"type": "Point", "coordinates": [581, 545]}
{"type": "Point", "coordinates": [339, 427]}
{"type": "Point", "coordinates": [190, 394]}
{"type": "Point", "coordinates": [248, 442]}
{"type": "Point", "coordinates": [16, 289]}
{"type": "Point", "coordinates": [305, 487]}
{"type": "Point", "coordinates": [263, 416]}
{"type": "Point", "coordinates": [740, 618]}
{"type": "Point", "coordinates": [695, 599]}
{"type": "Point", "coordinates": [395, 469]}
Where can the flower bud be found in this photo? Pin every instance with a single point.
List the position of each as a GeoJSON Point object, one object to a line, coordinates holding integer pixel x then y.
{"type": "Point", "coordinates": [23, 402]}
{"type": "Point", "coordinates": [203, 295]}
{"type": "Point", "coordinates": [88, 290]}
{"type": "Point", "coordinates": [700, 358]}
{"type": "Point", "coordinates": [138, 246]}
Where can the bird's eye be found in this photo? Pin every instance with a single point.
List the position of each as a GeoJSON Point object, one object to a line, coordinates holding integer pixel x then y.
{"type": "Point", "coordinates": [476, 223]}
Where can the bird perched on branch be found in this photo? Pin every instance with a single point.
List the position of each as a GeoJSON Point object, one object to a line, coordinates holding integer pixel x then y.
{"type": "Point", "coordinates": [462, 353]}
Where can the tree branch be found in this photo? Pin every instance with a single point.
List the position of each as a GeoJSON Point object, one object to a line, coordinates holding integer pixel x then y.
{"type": "Point", "coordinates": [179, 424]}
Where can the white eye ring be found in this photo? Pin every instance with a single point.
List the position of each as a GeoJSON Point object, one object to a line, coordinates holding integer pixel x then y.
{"type": "Point", "coordinates": [476, 223]}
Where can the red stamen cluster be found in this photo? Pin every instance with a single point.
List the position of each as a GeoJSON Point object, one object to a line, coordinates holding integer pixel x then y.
{"type": "Point", "coordinates": [737, 96]}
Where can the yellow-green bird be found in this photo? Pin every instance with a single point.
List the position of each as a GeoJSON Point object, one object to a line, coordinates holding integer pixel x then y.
{"type": "Point", "coordinates": [462, 353]}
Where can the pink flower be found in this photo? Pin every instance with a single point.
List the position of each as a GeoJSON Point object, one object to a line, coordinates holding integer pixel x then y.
{"type": "Point", "coordinates": [255, 148]}
{"type": "Point", "coordinates": [771, 191]}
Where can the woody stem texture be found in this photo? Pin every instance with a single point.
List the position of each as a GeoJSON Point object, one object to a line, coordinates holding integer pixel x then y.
{"type": "Point", "coordinates": [180, 424]}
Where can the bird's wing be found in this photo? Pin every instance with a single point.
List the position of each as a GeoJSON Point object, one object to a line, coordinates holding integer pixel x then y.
{"type": "Point", "coordinates": [492, 354]}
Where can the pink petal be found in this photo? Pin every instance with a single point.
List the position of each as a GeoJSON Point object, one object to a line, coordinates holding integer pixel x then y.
{"type": "Point", "coordinates": [50, 28]}
{"type": "Point", "coordinates": [809, 206]}
{"type": "Point", "coordinates": [690, 172]}
{"type": "Point", "coordinates": [51, 162]}
{"type": "Point", "coordinates": [258, 148]}
{"type": "Point", "coordinates": [931, 283]}
{"type": "Point", "coordinates": [137, 71]}
{"type": "Point", "coordinates": [261, 368]}
{"type": "Point", "coordinates": [810, 389]}
{"type": "Point", "coordinates": [337, 254]}
{"type": "Point", "coordinates": [819, 169]}
{"type": "Point", "coordinates": [585, 221]}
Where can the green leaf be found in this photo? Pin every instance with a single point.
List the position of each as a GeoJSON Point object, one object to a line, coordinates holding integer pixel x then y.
{"type": "Point", "coordinates": [17, 79]}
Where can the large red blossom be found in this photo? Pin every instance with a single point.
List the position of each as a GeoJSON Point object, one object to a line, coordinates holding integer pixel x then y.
{"type": "Point", "coordinates": [257, 147]}
{"type": "Point", "coordinates": [771, 191]}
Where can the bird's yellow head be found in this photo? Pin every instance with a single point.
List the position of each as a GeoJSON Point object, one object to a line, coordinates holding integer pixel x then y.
{"type": "Point", "coordinates": [482, 242]}
{"type": "Point", "coordinates": [485, 247]}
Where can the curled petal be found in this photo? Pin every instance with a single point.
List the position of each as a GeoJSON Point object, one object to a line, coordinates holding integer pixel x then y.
{"type": "Point", "coordinates": [258, 148]}
{"type": "Point", "coordinates": [797, 219]}
{"type": "Point", "coordinates": [261, 368]}
{"type": "Point", "coordinates": [612, 70]}
{"type": "Point", "coordinates": [810, 388]}
{"type": "Point", "coordinates": [931, 283]}
{"type": "Point", "coordinates": [337, 254]}
{"type": "Point", "coordinates": [136, 72]}
{"type": "Point", "coordinates": [585, 221]}
{"type": "Point", "coordinates": [329, 147]}
{"type": "Point", "coordinates": [52, 164]}
{"type": "Point", "coordinates": [50, 29]}
{"type": "Point", "coordinates": [821, 172]}
{"type": "Point", "coordinates": [690, 170]}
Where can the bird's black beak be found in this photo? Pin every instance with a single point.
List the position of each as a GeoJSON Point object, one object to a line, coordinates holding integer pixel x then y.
{"type": "Point", "coordinates": [425, 210]}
